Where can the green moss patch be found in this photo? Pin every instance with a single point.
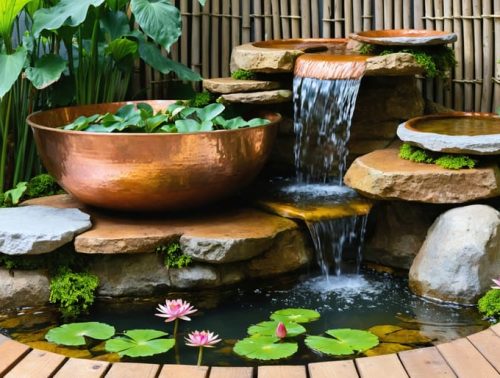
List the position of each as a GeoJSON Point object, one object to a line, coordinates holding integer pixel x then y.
{"type": "Point", "coordinates": [447, 161]}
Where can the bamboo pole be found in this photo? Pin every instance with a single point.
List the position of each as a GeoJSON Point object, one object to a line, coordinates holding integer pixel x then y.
{"type": "Point", "coordinates": [489, 58]}
{"type": "Point", "coordinates": [205, 41]}
{"type": "Point", "coordinates": [388, 14]}
{"type": "Point", "coordinates": [245, 22]}
{"type": "Point", "coordinates": [347, 18]}
{"type": "Point", "coordinates": [429, 24]}
{"type": "Point", "coordinates": [438, 12]}
{"type": "Point", "coordinates": [496, 87]}
{"type": "Point", "coordinates": [295, 14]}
{"type": "Point", "coordinates": [276, 19]}
{"type": "Point", "coordinates": [368, 17]}
{"type": "Point", "coordinates": [468, 57]}
{"type": "Point", "coordinates": [195, 38]}
{"type": "Point", "coordinates": [448, 26]}
{"type": "Point", "coordinates": [268, 20]}
{"type": "Point", "coordinates": [357, 11]}
{"type": "Point", "coordinates": [285, 21]}
{"type": "Point", "coordinates": [458, 74]}
{"type": "Point", "coordinates": [235, 23]}
{"type": "Point", "coordinates": [225, 40]}
{"type": "Point", "coordinates": [379, 14]}
{"type": "Point", "coordinates": [315, 18]}
{"type": "Point", "coordinates": [476, 53]}
{"type": "Point", "coordinates": [257, 11]}
{"type": "Point", "coordinates": [215, 53]}
{"type": "Point", "coordinates": [327, 15]}
{"type": "Point", "coordinates": [418, 13]}
{"type": "Point", "coordinates": [185, 34]}
{"type": "Point", "coordinates": [407, 7]}
{"type": "Point", "coordinates": [305, 18]}
{"type": "Point", "coordinates": [398, 14]}
{"type": "Point", "coordinates": [337, 15]}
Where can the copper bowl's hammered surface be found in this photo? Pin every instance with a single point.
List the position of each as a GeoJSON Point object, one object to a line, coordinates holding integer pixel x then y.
{"type": "Point", "coordinates": [149, 172]}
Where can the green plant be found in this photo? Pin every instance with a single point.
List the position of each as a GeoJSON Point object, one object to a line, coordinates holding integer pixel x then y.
{"type": "Point", "coordinates": [489, 304]}
{"type": "Point", "coordinates": [177, 118]}
{"type": "Point", "coordinates": [64, 257]}
{"type": "Point", "coordinates": [242, 74]}
{"type": "Point", "coordinates": [343, 342]}
{"type": "Point", "coordinates": [200, 100]}
{"type": "Point", "coordinates": [73, 292]}
{"type": "Point", "coordinates": [419, 155]}
{"type": "Point", "coordinates": [173, 256]}
{"type": "Point", "coordinates": [455, 162]}
{"type": "Point", "coordinates": [42, 185]}
{"type": "Point", "coordinates": [75, 334]}
{"type": "Point", "coordinates": [366, 49]}
{"type": "Point", "coordinates": [415, 154]}
{"type": "Point", "coordinates": [140, 343]}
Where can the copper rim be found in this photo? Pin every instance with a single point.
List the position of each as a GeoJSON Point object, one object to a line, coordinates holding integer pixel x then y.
{"type": "Point", "coordinates": [411, 124]}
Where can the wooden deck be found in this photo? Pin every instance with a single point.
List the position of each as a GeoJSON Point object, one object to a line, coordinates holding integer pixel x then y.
{"type": "Point", "coordinates": [477, 356]}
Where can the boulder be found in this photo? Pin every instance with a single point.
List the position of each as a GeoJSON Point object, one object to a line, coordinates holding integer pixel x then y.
{"type": "Point", "coordinates": [383, 175]}
{"type": "Point", "coordinates": [258, 59]}
{"type": "Point", "coordinates": [39, 229]}
{"type": "Point", "coordinates": [400, 64]}
{"type": "Point", "coordinates": [226, 85]}
{"type": "Point", "coordinates": [261, 98]}
{"type": "Point", "coordinates": [459, 256]}
{"type": "Point", "coordinates": [23, 288]}
{"type": "Point", "coordinates": [195, 276]}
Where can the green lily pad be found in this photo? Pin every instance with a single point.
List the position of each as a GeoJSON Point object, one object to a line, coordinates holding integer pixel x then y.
{"type": "Point", "coordinates": [295, 315]}
{"type": "Point", "coordinates": [268, 328]}
{"type": "Point", "coordinates": [264, 348]}
{"type": "Point", "coordinates": [140, 343]}
{"type": "Point", "coordinates": [74, 334]}
{"type": "Point", "coordinates": [346, 341]}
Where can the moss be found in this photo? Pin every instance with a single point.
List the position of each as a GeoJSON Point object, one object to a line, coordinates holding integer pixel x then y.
{"type": "Point", "coordinates": [455, 162]}
{"type": "Point", "coordinates": [243, 75]}
{"type": "Point", "coordinates": [63, 257]}
{"type": "Point", "coordinates": [415, 154]}
{"type": "Point", "coordinates": [419, 155]}
{"type": "Point", "coordinates": [173, 256]}
{"type": "Point", "coordinates": [74, 293]}
{"type": "Point", "coordinates": [367, 49]}
{"type": "Point", "coordinates": [489, 304]}
{"type": "Point", "coordinates": [42, 185]}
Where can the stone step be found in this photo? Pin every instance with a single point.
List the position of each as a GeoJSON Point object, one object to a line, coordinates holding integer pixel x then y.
{"type": "Point", "coordinates": [259, 98]}
{"type": "Point", "coordinates": [226, 85]}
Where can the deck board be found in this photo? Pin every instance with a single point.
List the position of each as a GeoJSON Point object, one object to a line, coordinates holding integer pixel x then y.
{"type": "Point", "coordinates": [488, 344]}
{"type": "Point", "coordinates": [465, 360]}
{"type": "Point", "coordinates": [11, 353]}
{"type": "Point", "coordinates": [386, 366]}
{"type": "Point", "coordinates": [132, 370]}
{"type": "Point", "coordinates": [37, 363]}
{"type": "Point", "coordinates": [496, 329]}
{"type": "Point", "coordinates": [183, 371]}
{"type": "Point", "coordinates": [333, 369]}
{"type": "Point", "coordinates": [231, 372]}
{"type": "Point", "coordinates": [3, 339]}
{"type": "Point", "coordinates": [282, 372]}
{"type": "Point", "coordinates": [424, 363]}
{"type": "Point", "coordinates": [79, 368]}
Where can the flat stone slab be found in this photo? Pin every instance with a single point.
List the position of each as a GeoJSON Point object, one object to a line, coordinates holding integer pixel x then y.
{"type": "Point", "coordinates": [383, 175]}
{"type": "Point", "coordinates": [404, 37]}
{"type": "Point", "coordinates": [263, 97]}
{"type": "Point", "coordinates": [39, 229]}
{"type": "Point", "coordinates": [225, 236]}
{"type": "Point", "coordinates": [225, 85]}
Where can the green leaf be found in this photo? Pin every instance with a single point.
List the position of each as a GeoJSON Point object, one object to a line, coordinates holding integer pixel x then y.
{"type": "Point", "coordinates": [296, 315]}
{"type": "Point", "coordinates": [9, 10]}
{"type": "Point", "coordinates": [268, 328]}
{"type": "Point", "coordinates": [264, 348]}
{"type": "Point", "coordinates": [258, 122]}
{"type": "Point", "coordinates": [187, 125]}
{"type": "Point", "coordinates": [346, 341]}
{"type": "Point", "coordinates": [202, 2]}
{"type": "Point", "coordinates": [209, 112]}
{"type": "Point", "coordinates": [48, 69]}
{"type": "Point", "coordinates": [159, 19]}
{"type": "Point", "coordinates": [115, 25]}
{"type": "Point", "coordinates": [121, 48]}
{"type": "Point", "coordinates": [153, 56]}
{"type": "Point", "coordinates": [116, 4]}
{"type": "Point", "coordinates": [235, 123]}
{"type": "Point", "coordinates": [11, 66]}
{"type": "Point", "coordinates": [145, 109]}
{"type": "Point", "coordinates": [14, 195]}
{"type": "Point", "coordinates": [74, 334]}
{"type": "Point", "coordinates": [140, 343]}
{"type": "Point", "coordinates": [66, 12]}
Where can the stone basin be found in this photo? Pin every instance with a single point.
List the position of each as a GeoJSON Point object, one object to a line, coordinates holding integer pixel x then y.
{"type": "Point", "coordinates": [458, 132]}
{"type": "Point", "coordinates": [404, 37]}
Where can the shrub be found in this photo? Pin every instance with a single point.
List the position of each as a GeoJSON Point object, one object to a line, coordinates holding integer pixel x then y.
{"type": "Point", "coordinates": [489, 304]}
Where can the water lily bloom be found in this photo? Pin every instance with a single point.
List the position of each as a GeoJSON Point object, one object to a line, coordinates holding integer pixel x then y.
{"type": "Point", "coordinates": [281, 330]}
{"type": "Point", "coordinates": [497, 283]}
{"type": "Point", "coordinates": [203, 339]}
{"type": "Point", "coordinates": [175, 309]}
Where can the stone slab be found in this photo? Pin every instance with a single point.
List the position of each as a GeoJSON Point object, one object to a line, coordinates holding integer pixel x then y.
{"type": "Point", "coordinates": [229, 235]}
{"type": "Point", "coordinates": [39, 229]}
{"type": "Point", "coordinates": [383, 175]}
{"type": "Point", "coordinates": [260, 98]}
{"type": "Point", "coordinates": [225, 85]}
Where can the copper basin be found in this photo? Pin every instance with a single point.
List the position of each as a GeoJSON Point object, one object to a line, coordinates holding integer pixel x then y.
{"type": "Point", "coordinates": [149, 172]}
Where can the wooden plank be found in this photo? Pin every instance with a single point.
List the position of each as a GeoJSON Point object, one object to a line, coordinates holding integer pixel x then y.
{"type": "Point", "coordinates": [183, 371]}
{"type": "Point", "coordinates": [334, 369]}
{"type": "Point", "coordinates": [387, 366]}
{"type": "Point", "coordinates": [496, 329]}
{"type": "Point", "coordinates": [425, 362]}
{"type": "Point", "coordinates": [3, 339]}
{"type": "Point", "coordinates": [11, 353]}
{"type": "Point", "coordinates": [37, 363]}
{"type": "Point", "coordinates": [132, 370]}
{"type": "Point", "coordinates": [231, 372]}
{"type": "Point", "coordinates": [282, 372]}
{"type": "Point", "coordinates": [488, 344]}
{"type": "Point", "coordinates": [465, 360]}
{"type": "Point", "coordinates": [79, 368]}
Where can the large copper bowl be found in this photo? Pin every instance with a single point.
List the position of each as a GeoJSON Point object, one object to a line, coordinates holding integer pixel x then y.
{"type": "Point", "coordinates": [149, 172]}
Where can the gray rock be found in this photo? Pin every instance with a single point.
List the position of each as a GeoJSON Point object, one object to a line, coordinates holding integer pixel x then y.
{"type": "Point", "coordinates": [264, 97]}
{"type": "Point", "coordinates": [23, 288]}
{"type": "Point", "coordinates": [39, 229]}
{"type": "Point", "coordinates": [229, 85]}
{"type": "Point", "coordinates": [459, 256]}
{"type": "Point", "coordinates": [194, 276]}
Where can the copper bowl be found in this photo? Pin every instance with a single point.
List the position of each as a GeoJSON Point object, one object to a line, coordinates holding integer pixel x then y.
{"type": "Point", "coordinates": [149, 172]}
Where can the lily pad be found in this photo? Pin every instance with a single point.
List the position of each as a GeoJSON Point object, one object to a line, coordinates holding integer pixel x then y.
{"type": "Point", "coordinates": [74, 334]}
{"type": "Point", "coordinates": [346, 341]}
{"type": "Point", "coordinates": [264, 348]}
{"type": "Point", "coordinates": [295, 315]}
{"type": "Point", "coordinates": [140, 343]}
{"type": "Point", "coordinates": [268, 328]}
{"type": "Point", "coordinates": [386, 348]}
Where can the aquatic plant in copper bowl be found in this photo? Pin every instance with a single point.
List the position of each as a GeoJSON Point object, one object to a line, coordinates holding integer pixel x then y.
{"type": "Point", "coordinates": [152, 156]}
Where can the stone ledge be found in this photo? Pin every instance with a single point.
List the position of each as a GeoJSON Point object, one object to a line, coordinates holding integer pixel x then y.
{"type": "Point", "coordinates": [260, 98]}
{"type": "Point", "coordinates": [226, 85]}
{"type": "Point", "coordinates": [383, 175]}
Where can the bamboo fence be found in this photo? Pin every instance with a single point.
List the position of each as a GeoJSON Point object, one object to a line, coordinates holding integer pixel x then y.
{"type": "Point", "coordinates": [209, 33]}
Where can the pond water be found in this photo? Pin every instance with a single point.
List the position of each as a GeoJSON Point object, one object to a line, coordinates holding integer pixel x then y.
{"type": "Point", "coordinates": [349, 301]}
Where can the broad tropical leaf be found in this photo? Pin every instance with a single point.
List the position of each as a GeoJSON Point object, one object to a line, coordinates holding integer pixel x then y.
{"type": "Point", "coordinates": [296, 315]}
{"type": "Point", "coordinates": [66, 12]}
{"type": "Point", "coordinates": [116, 4]}
{"type": "Point", "coordinates": [14, 195]}
{"type": "Point", "coordinates": [121, 48]}
{"type": "Point", "coordinates": [11, 66]}
{"type": "Point", "coordinates": [115, 25]}
{"type": "Point", "coordinates": [140, 343]}
{"type": "Point", "coordinates": [209, 112]}
{"type": "Point", "coordinates": [74, 334]}
{"type": "Point", "coordinates": [159, 19]}
{"type": "Point", "coordinates": [9, 10]}
{"type": "Point", "coordinates": [346, 341]}
{"type": "Point", "coordinates": [268, 328]}
{"type": "Point", "coordinates": [264, 348]}
{"type": "Point", "coordinates": [47, 70]}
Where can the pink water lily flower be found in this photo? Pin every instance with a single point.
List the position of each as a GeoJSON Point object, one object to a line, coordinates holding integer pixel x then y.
{"type": "Point", "coordinates": [497, 283]}
{"type": "Point", "coordinates": [281, 330]}
{"type": "Point", "coordinates": [175, 309]}
{"type": "Point", "coordinates": [204, 339]}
